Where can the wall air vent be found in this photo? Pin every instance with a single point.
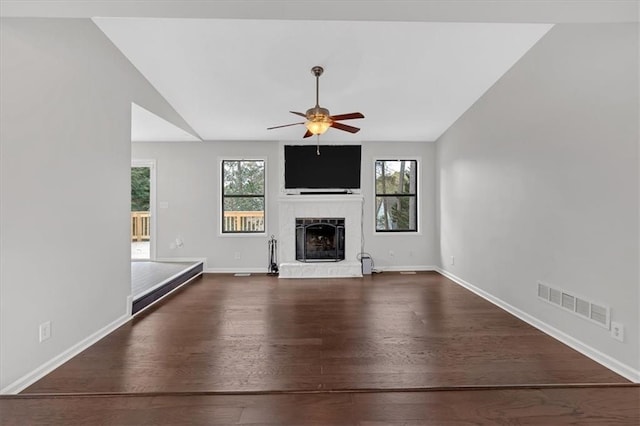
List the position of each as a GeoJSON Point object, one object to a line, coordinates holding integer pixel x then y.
{"type": "Point", "coordinates": [555, 296]}
{"type": "Point", "coordinates": [543, 291]}
{"type": "Point", "coordinates": [600, 314]}
{"type": "Point", "coordinates": [568, 301]}
{"type": "Point", "coordinates": [582, 307]}
{"type": "Point", "coordinates": [594, 312]}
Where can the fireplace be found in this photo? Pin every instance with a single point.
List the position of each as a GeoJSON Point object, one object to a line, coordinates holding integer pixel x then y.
{"type": "Point", "coordinates": [320, 239]}
{"type": "Point", "coordinates": [323, 208]}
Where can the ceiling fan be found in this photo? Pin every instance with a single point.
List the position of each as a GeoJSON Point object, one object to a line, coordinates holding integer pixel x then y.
{"type": "Point", "coordinates": [318, 119]}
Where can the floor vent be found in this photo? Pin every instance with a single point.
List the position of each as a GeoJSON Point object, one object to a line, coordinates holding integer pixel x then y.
{"type": "Point", "coordinates": [599, 314]}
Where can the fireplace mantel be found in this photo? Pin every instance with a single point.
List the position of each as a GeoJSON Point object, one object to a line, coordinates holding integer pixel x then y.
{"type": "Point", "coordinates": [347, 206]}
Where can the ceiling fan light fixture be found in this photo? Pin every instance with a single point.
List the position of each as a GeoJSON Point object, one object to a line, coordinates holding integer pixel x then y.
{"type": "Point", "coordinates": [318, 126]}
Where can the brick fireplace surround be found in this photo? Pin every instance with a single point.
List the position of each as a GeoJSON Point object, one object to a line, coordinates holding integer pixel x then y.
{"type": "Point", "coordinates": [348, 206]}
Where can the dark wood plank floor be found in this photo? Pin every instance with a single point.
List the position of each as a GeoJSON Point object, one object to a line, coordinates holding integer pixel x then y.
{"type": "Point", "coordinates": [384, 350]}
{"type": "Point", "coordinates": [548, 407]}
{"type": "Point", "coordinates": [259, 333]}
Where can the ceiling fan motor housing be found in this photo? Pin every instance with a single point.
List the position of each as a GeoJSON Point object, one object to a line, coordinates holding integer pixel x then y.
{"type": "Point", "coordinates": [318, 113]}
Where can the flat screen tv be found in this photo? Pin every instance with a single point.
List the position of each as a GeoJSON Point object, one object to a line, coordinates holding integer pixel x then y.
{"type": "Point", "coordinates": [337, 167]}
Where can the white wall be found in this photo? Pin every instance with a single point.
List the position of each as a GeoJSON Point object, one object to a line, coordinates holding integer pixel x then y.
{"type": "Point", "coordinates": [539, 181]}
{"type": "Point", "coordinates": [65, 96]}
{"type": "Point", "coordinates": [188, 179]}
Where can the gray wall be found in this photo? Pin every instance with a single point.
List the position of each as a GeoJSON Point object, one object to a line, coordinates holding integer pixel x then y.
{"type": "Point", "coordinates": [65, 157]}
{"type": "Point", "coordinates": [188, 184]}
{"type": "Point", "coordinates": [539, 181]}
{"type": "Point", "coordinates": [188, 181]}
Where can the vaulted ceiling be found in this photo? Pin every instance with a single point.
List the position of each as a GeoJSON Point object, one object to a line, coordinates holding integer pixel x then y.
{"type": "Point", "coordinates": [231, 79]}
{"type": "Point", "coordinates": [232, 69]}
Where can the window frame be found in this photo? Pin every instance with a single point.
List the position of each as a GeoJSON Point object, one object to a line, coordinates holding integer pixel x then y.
{"type": "Point", "coordinates": [222, 197]}
{"type": "Point", "coordinates": [416, 194]}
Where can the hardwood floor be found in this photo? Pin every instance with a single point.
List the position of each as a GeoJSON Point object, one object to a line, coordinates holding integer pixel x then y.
{"type": "Point", "coordinates": [331, 340]}
{"type": "Point", "coordinates": [549, 407]}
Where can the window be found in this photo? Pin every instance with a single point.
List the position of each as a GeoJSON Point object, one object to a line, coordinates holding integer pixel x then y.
{"type": "Point", "coordinates": [396, 196]}
{"type": "Point", "coordinates": [242, 196]}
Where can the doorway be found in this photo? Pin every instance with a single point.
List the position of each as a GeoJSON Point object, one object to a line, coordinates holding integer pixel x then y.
{"type": "Point", "coordinates": [142, 209]}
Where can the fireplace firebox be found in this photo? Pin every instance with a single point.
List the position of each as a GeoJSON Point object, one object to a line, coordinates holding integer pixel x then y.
{"type": "Point", "coordinates": [320, 239]}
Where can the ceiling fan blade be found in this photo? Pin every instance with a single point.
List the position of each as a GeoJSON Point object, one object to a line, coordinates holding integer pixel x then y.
{"type": "Point", "coordinates": [350, 116]}
{"type": "Point", "coordinates": [344, 127]}
{"type": "Point", "coordinates": [308, 134]}
{"type": "Point", "coordinates": [284, 125]}
{"type": "Point", "coordinates": [298, 113]}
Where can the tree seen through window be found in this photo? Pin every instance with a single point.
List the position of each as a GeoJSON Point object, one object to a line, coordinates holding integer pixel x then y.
{"type": "Point", "coordinates": [396, 195]}
{"type": "Point", "coordinates": [243, 196]}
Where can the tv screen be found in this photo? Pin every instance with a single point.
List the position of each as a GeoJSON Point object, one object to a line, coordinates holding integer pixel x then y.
{"type": "Point", "coordinates": [337, 167]}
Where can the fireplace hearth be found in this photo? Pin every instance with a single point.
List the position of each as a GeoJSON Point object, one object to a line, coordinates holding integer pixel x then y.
{"type": "Point", "coordinates": [320, 239]}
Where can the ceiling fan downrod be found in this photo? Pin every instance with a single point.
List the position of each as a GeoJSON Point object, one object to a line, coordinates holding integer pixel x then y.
{"type": "Point", "coordinates": [317, 71]}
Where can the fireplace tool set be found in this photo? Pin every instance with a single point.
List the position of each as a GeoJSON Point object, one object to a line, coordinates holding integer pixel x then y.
{"type": "Point", "coordinates": [273, 256]}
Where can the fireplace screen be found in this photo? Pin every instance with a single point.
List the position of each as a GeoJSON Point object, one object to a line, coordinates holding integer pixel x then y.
{"type": "Point", "coordinates": [320, 239]}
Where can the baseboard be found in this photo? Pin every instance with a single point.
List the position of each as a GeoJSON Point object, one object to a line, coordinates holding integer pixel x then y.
{"type": "Point", "coordinates": [129, 306]}
{"type": "Point", "coordinates": [422, 268]}
{"type": "Point", "coordinates": [236, 270]}
{"type": "Point", "coordinates": [46, 368]}
{"type": "Point", "coordinates": [599, 357]}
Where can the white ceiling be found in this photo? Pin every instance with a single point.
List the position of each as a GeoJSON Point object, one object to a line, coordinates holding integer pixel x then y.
{"type": "Point", "coordinates": [231, 79]}
{"type": "Point", "coordinates": [515, 11]}
{"type": "Point", "coordinates": [232, 68]}
{"type": "Point", "coordinates": [148, 127]}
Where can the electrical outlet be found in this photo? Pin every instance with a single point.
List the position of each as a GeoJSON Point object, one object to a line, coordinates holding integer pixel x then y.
{"type": "Point", "coordinates": [453, 260]}
{"type": "Point", "coordinates": [44, 331]}
{"type": "Point", "coordinates": [392, 253]}
{"type": "Point", "coordinates": [617, 331]}
{"type": "Point", "coordinates": [237, 255]}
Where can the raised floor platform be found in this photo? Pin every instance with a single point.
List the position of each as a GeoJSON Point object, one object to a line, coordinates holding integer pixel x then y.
{"type": "Point", "coordinates": [153, 280]}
